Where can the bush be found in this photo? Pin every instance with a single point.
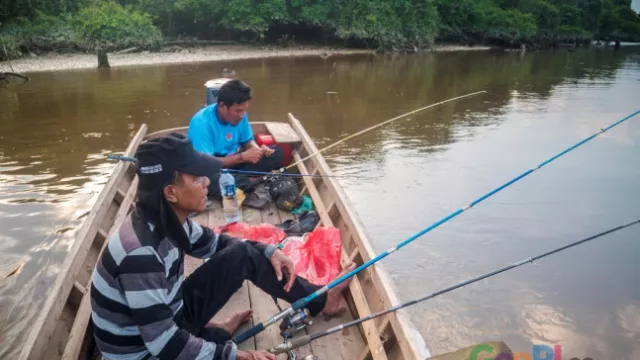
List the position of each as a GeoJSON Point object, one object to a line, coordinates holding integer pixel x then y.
{"type": "Point", "coordinates": [102, 26]}
{"type": "Point", "coordinates": [9, 46]}
{"type": "Point", "coordinates": [107, 26]}
{"type": "Point", "coordinates": [44, 33]}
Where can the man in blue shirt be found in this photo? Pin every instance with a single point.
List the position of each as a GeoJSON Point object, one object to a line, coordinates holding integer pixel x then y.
{"type": "Point", "coordinates": [222, 130]}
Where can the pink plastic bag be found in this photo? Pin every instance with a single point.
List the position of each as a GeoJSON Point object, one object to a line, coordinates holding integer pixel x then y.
{"type": "Point", "coordinates": [316, 257]}
{"type": "Point", "coordinates": [263, 233]}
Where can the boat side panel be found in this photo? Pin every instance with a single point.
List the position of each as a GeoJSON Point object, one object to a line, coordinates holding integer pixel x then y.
{"type": "Point", "coordinates": [361, 304]}
{"type": "Point", "coordinates": [45, 326]}
{"type": "Point", "coordinates": [408, 338]}
{"type": "Point", "coordinates": [80, 332]}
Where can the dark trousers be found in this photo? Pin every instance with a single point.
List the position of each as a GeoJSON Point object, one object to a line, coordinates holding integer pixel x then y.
{"type": "Point", "coordinates": [266, 164]}
{"type": "Point", "coordinates": [209, 288]}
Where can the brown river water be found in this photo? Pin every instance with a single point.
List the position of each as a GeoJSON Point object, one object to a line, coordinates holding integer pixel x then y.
{"type": "Point", "coordinates": [56, 130]}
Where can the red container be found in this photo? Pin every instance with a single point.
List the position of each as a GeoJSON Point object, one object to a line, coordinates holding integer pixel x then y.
{"type": "Point", "coordinates": [287, 149]}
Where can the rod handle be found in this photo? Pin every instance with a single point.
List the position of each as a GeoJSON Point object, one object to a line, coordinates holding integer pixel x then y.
{"type": "Point", "coordinates": [290, 345]}
{"type": "Point", "coordinates": [248, 334]}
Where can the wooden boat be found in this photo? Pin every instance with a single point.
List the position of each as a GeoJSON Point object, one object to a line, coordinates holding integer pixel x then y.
{"type": "Point", "coordinates": [63, 327]}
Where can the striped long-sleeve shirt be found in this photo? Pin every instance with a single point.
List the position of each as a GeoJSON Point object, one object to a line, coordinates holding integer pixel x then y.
{"type": "Point", "coordinates": [136, 291]}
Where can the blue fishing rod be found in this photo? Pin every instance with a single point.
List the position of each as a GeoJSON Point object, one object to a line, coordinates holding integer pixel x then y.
{"type": "Point", "coordinates": [300, 304]}
{"type": "Point", "coordinates": [304, 340]}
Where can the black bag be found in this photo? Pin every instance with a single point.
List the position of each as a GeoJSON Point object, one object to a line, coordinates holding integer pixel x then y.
{"type": "Point", "coordinates": [305, 223]}
{"type": "Point", "coordinates": [284, 192]}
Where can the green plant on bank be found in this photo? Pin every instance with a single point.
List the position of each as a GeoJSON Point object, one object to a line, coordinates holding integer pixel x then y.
{"type": "Point", "coordinates": [98, 27]}
{"type": "Point", "coordinates": [44, 32]}
{"type": "Point", "coordinates": [107, 25]}
{"type": "Point", "coordinates": [538, 21]}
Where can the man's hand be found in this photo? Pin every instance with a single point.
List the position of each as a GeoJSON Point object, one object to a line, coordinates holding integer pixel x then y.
{"type": "Point", "coordinates": [252, 155]}
{"type": "Point", "coordinates": [282, 264]}
{"type": "Point", "coordinates": [255, 355]}
{"type": "Point", "coordinates": [266, 151]}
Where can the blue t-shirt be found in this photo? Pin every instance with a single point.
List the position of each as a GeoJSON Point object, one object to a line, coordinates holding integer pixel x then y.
{"type": "Point", "coordinates": [211, 136]}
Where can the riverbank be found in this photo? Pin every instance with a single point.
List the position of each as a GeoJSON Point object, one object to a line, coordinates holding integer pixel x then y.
{"type": "Point", "coordinates": [172, 55]}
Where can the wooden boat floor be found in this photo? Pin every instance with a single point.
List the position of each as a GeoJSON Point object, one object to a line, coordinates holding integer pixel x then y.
{"type": "Point", "coordinates": [347, 344]}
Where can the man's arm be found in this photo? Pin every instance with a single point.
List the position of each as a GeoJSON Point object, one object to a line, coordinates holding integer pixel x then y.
{"type": "Point", "coordinates": [202, 141]}
{"type": "Point", "coordinates": [250, 144]}
{"type": "Point", "coordinates": [205, 242]}
{"type": "Point", "coordinates": [144, 283]}
{"type": "Point", "coordinates": [232, 160]}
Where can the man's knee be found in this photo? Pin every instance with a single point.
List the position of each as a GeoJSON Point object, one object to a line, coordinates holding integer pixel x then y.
{"type": "Point", "coordinates": [238, 252]}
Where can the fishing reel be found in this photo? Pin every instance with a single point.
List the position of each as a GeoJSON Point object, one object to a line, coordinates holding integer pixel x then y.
{"type": "Point", "coordinates": [308, 357]}
{"type": "Point", "coordinates": [288, 346]}
{"type": "Point", "coordinates": [295, 322]}
{"type": "Point", "coordinates": [289, 326]}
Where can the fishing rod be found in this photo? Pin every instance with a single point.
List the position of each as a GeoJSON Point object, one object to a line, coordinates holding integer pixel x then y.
{"type": "Point", "coordinates": [378, 125]}
{"type": "Point", "coordinates": [300, 304]}
{"type": "Point", "coordinates": [304, 340]}
{"type": "Point", "coordinates": [132, 159]}
{"type": "Point", "coordinates": [249, 172]}
{"type": "Point", "coordinates": [282, 170]}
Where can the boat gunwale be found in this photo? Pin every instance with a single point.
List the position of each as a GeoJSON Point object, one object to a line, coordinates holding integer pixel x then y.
{"type": "Point", "coordinates": [382, 282]}
{"type": "Point", "coordinates": [40, 335]}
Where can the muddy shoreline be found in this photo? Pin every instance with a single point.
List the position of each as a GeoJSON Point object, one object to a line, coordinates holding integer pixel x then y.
{"type": "Point", "coordinates": [54, 61]}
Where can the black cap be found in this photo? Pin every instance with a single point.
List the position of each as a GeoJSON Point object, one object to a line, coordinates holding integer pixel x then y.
{"type": "Point", "coordinates": [158, 160]}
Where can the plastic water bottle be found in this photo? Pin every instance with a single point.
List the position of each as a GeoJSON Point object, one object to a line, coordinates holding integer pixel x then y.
{"type": "Point", "coordinates": [230, 206]}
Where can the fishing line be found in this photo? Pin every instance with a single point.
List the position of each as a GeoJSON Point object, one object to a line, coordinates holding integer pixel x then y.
{"type": "Point", "coordinates": [287, 346]}
{"type": "Point", "coordinates": [297, 175]}
{"type": "Point", "coordinates": [282, 170]}
{"type": "Point", "coordinates": [378, 125]}
{"type": "Point", "coordinates": [249, 172]}
{"type": "Point", "coordinates": [304, 301]}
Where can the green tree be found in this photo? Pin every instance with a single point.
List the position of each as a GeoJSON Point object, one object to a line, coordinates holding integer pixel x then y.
{"type": "Point", "coordinates": [107, 26]}
{"type": "Point", "coordinates": [163, 12]}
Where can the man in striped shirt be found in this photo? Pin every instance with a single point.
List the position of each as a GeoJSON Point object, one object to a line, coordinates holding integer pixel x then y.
{"type": "Point", "coordinates": [143, 307]}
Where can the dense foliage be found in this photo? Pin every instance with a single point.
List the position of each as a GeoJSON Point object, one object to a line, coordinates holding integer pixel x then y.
{"type": "Point", "coordinates": [391, 24]}
{"type": "Point", "coordinates": [538, 21]}
{"type": "Point", "coordinates": [94, 26]}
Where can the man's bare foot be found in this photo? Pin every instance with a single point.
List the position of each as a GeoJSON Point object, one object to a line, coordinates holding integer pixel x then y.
{"type": "Point", "coordinates": [334, 296]}
{"type": "Point", "coordinates": [233, 322]}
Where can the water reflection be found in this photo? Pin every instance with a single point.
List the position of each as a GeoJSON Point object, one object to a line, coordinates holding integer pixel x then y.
{"type": "Point", "coordinates": [56, 130]}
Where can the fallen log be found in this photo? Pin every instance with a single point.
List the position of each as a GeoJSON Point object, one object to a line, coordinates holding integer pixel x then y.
{"type": "Point", "coordinates": [201, 42]}
{"type": "Point", "coordinates": [11, 77]}
{"type": "Point", "coordinates": [126, 51]}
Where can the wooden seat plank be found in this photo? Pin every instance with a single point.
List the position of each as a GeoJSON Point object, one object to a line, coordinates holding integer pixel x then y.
{"type": "Point", "coordinates": [263, 305]}
{"type": "Point", "coordinates": [282, 132]}
{"type": "Point", "coordinates": [272, 215]}
{"type": "Point", "coordinates": [240, 300]}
